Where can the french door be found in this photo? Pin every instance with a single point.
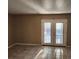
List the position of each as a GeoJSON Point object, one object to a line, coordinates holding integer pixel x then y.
{"type": "Point", "coordinates": [54, 32]}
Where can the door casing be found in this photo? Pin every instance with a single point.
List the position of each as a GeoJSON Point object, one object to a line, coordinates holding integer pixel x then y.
{"type": "Point", "coordinates": [53, 31]}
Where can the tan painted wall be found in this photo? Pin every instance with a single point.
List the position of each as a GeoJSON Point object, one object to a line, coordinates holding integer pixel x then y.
{"type": "Point", "coordinates": [10, 30]}
{"type": "Point", "coordinates": [28, 27]}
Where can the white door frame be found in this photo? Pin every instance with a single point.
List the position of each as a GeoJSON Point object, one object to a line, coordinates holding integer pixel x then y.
{"type": "Point", "coordinates": [64, 21]}
{"type": "Point", "coordinates": [42, 30]}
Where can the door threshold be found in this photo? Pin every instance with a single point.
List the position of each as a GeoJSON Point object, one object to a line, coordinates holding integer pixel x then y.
{"type": "Point", "coordinates": [53, 45]}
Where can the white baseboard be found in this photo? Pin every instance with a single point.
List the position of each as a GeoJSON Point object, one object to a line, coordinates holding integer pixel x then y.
{"type": "Point", "coordinates": [22, 44]}
{"type": "Point", "coordinates": [11, 45]}
{"type": "Point", "coordinates": [26, 44]}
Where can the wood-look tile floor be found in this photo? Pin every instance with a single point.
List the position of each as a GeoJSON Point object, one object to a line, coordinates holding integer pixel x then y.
{"type": "Point", "coordinates": [39, 52]}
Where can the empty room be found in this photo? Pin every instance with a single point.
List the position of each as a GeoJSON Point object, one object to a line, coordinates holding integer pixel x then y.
{"type": "Point", "coordinates": [39, 29]}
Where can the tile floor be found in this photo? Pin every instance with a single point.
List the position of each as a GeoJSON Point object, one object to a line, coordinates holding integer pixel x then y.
{"type": "Point", "coordinates": [39, 52]}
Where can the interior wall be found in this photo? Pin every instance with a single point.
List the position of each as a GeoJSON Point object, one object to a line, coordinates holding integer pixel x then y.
{"type": "Point", "coordinates": [28, 27]}
{"type": "Point", "coordinates": [10, 30]}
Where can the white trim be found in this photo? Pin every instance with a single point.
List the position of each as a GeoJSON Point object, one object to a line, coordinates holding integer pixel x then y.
{"type": "Point", "coordinates": [53, 21]}
{"type": "Point", "coordinates": [11, 45]}
{"type": "Point", "coordinates": [26, 44]}
{"type": "Point", "coordinates": [22, 44]}
{"type": "Point", "coordinates": [42, 30]}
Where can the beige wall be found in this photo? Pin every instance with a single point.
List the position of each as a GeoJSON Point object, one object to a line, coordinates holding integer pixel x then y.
{"type": "Point", "coordinates": [27, 28]}
{"type": "Point", "coordinates": [10, 30]}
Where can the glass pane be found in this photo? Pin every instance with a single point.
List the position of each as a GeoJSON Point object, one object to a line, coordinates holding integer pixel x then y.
{"type": "Point", "coordinates": [59, 28]}
{"type": "Point", "coordinates": [59, 33]}
{"type": "Point", "coordinates": [47, 32]}
{"type": "Point", "coordinates": [59, 39]}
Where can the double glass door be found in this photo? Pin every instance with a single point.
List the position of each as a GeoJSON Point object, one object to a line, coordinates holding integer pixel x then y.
{"type": "Point", "coordinates": [54, 32]}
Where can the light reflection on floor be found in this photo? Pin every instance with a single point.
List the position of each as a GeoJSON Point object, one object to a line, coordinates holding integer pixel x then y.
{"type": "Point", "coordinates": [49, 53]}
{"type": "Point", "coordinates": [39, 52]}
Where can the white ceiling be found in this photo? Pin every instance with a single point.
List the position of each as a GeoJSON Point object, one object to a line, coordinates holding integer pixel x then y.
{"type": "Point", "coordinates": [39, 6]}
